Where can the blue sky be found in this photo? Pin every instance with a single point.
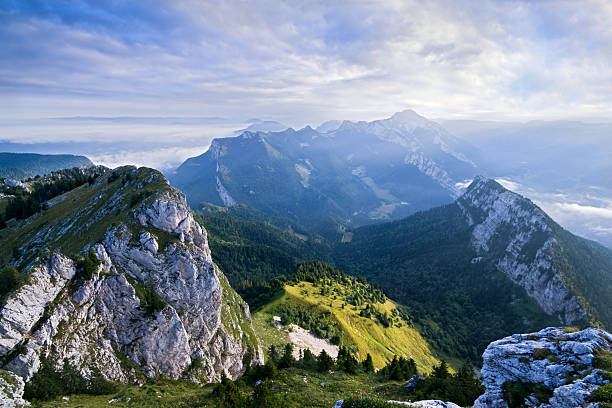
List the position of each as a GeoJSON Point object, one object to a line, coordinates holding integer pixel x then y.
{"type": "Point", "coordinates": [306, 62]}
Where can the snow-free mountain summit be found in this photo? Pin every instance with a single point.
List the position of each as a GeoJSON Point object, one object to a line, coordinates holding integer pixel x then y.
{"type": "Point", "coordinates": [352, 174]}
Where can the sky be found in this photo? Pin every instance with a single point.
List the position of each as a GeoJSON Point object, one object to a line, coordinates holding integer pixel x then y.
{"type": "Point", "coordinates": [305, 62]}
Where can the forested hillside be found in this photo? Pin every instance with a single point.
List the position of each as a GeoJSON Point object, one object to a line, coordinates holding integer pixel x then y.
{"type": "Point", "coordinates": [425, 262]}
{"type": "Point", "coordinates": [22, 200]}
{"type": "Point", "coordinates": [469, 272]}
{"type": "Point", "coordinates": [253, 248]}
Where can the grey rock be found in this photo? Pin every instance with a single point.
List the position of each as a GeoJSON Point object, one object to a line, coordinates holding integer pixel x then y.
{"type": "Point", "coordinates": [414, 381]}
{"type": "Point", "coordinates": [560, 361]}
{"type": "Point", "coordinates": [103, 321]}
{"type": "Point", "coordinates": [11, 390]}
{"type": "Point", "coordinates": [496, 212]}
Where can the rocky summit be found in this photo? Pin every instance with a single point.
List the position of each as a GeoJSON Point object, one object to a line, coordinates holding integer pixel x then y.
{"type": "Point", "coordinates": [524, 238]}
{"type": "Point", "coordinates": [554, 367]}
{"type": "Point", "coordinates": [142, 298]}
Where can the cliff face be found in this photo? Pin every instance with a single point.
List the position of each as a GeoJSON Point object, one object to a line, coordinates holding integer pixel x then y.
{"type": "Point", "coordinates": [520, 236]}
{"type": "Point", "coordinates": [154, 305]}
{"type": "Point", "coordinates": [563, 365]}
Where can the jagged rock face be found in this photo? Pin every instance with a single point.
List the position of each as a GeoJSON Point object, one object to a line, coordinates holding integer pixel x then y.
{"type": "Point", "coordinates": [417, 404]}
{"type": "Point", "coordinates": [519, 234]}
{"type": "Point", "coordinates": [561, 362]}
{"type": "Point", "coordinates": [11, 390]}
{"type": "Point", "coordinates": [199, 328]}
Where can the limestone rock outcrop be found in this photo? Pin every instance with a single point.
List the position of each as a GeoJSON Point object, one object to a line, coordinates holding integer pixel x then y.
{"type": "Point", "coordinates": [519, 235]}
{"type": "Point", "coordinates": [11, 390]}
{"type": "Point", "coordinates": [558, 361]}
{"type": "Point", "coordinates": [155, 305]}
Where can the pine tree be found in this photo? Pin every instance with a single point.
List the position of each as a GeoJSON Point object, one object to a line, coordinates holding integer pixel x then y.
{"type": "Point", "coordinates": [287, 360]}
{"type": "Point", "coordinates": [273, 354]}
{"type": "Point", "coordinates": [368, 364]}
{"type": "Point", "coordinates": [308, 361]}
{"type": "Point", "coordinates": [325, 362]}
{"type": "Point", "coordinates": [441, 371]}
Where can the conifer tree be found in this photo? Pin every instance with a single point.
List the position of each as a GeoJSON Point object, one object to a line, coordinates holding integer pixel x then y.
{"type": "Point", "coordinates": [368, 364]}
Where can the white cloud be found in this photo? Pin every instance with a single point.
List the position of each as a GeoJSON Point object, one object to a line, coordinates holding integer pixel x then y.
{"type": "Point", "coordinates": [584, 210]}
{"type": "Point", "coordinates": [303, 62]}
{"type": "Point", "coordinates": [509, 184]}
{"type": "Point", "coordinates": [162, 158]}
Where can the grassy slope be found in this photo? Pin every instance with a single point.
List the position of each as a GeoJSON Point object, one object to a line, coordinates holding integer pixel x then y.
{"type": "Point", "coordinates": [289, 383]}
{"type": "Point", "coordinates": [64, 226]}
{"type": "Point", "coordinates": [366, 334]}
{"type": "Point", "coordinates": [232, 314]}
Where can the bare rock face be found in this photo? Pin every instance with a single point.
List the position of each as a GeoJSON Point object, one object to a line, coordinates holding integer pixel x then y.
{"type": "Point", "coordinates": [552, 359]}
{"type": "Point", "coordinates": [155, 305]}
{"type": "Point", "coordinates": [11, 390]}
{"type": "Point", "coordinates": [417, 404]}
{"type": "Point", "coordinates": [519, 233]}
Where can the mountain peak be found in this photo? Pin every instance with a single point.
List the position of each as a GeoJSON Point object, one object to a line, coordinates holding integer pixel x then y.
{"type": "Point", "coordinates": [481, 186]}
{"type": "Point", "coordinates": [409, 116]}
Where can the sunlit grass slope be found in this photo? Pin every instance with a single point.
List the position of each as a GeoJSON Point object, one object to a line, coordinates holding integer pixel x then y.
{"type": "Point", "coordinates": [363, 334]}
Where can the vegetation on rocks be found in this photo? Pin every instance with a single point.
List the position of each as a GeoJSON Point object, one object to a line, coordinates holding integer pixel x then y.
{"type": "Point", "coordinates": [24, 203]}
{"type": "Point", "coordinates": [515, 392]}
{"type": "Point", "coordinates": [603, 395]}
{"type": "Point", "coordinates": [10, 279]}
{"type": "Point", "coordinates": [49, 383]}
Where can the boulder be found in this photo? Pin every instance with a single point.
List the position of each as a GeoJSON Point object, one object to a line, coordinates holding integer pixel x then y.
{"type": "Point", "coordinates": [556, 360]}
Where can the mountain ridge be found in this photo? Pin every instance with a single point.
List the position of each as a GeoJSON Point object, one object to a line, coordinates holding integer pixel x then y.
{"type": "Point", "coordinates": [490, 242]}
{"type": "Point", "coordinates": [23, 165]}
{"type": "Point", "coordinates": [358, 173]}
{"type": "Point", "coordinates": [120, 275]}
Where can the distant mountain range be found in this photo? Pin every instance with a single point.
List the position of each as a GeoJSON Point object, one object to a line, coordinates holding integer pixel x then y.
{"type": "Point", "coordinates": [355, 174]}
{"type": "Point", "coordinates": [346, 174]}
{"type": "Point", "coordinates": [258, 125]}
{"type": "Point", "coordinates": [23, 165]}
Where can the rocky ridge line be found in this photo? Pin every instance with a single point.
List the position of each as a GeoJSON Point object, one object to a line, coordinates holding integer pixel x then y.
{"type": "Point", "coordinates": [511, 225]}
{"type": "Point", "coordinates": [201, 329]}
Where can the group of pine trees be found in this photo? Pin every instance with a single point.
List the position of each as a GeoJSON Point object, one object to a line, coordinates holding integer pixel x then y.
{"type": "Point", "coordinates": [282, 358]}
{"type": "Point", "coordinates": [50, 382]}
{"type": "Point", "coordinates": [462, 387]}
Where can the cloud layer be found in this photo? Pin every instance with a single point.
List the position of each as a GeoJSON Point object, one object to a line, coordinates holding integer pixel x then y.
{"type": "Point", "coordinates": [305, 62]}
{"type": "Point", "coordinates": [586, 214]}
